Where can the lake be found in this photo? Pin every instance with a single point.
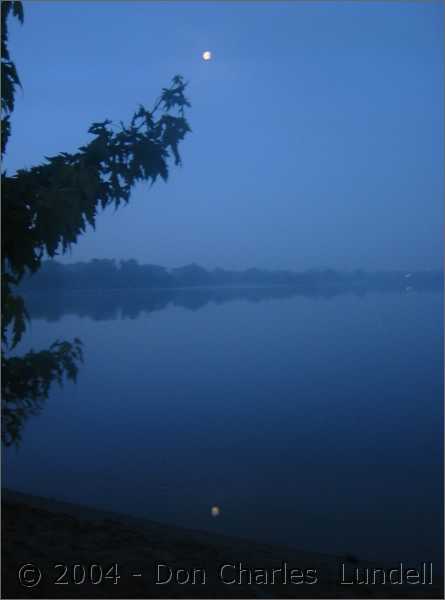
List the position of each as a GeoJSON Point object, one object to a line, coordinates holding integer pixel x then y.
{"type": "Point", "coordinates": [311, 421]}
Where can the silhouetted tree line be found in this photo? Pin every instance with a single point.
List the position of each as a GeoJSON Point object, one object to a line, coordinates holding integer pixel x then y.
{"type": "Point", "coordinates": [107, 274]}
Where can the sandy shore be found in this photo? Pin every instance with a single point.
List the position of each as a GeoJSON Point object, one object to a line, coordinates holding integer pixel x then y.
{"type": "Point", "coordinates": [127, 553]}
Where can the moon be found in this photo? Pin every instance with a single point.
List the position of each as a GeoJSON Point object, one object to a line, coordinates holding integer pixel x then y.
{"type": "Point", "coordinates": [207, 55]}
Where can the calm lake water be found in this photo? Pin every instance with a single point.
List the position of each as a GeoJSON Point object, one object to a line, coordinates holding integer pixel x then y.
{"type": "Point", "coordinates": [312, 421]}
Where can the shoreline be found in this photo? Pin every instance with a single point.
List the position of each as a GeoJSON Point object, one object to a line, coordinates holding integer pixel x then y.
{"type": "Point", "coordinates": [155, 560]}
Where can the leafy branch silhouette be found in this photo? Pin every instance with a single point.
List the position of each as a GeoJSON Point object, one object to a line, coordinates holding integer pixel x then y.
{"type": "Point", "coordinates": [47, 207]}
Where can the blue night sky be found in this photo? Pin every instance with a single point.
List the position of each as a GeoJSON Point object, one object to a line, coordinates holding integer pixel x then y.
{"type": "Point", "coordinates": [317, 127]}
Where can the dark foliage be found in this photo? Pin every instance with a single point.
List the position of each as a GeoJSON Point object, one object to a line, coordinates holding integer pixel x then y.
{"type": "Point", "coordinates": [47, 207]}
{"type": "Point", "coordinates": [10, 78]}
{"type": "Point", "coordinates": [27, 380]}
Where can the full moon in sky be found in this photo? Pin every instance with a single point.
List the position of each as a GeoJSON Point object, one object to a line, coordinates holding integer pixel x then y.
{"type": "Point", "coordinates": [207, 55]}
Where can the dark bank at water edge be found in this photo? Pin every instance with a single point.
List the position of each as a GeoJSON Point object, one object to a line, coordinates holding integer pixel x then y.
{"type": "Point", "coordinates": [74, 551]}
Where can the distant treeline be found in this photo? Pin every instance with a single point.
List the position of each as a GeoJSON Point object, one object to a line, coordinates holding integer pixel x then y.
{"type": "Point", "coordinates": [107, 274]}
